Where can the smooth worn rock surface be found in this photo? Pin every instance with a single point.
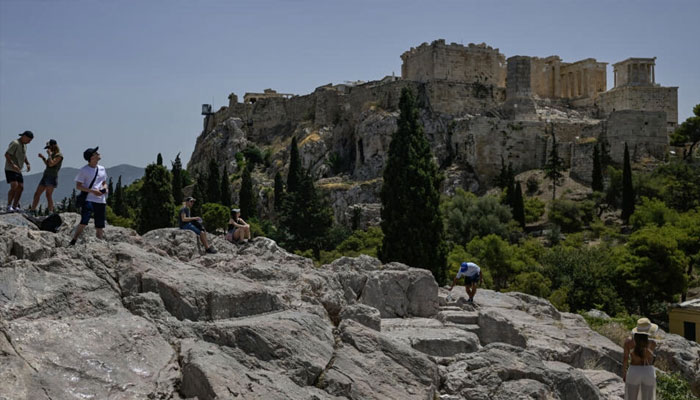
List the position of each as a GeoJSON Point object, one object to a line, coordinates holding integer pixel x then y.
{"type": "Point", "coordinates": [132, 317]}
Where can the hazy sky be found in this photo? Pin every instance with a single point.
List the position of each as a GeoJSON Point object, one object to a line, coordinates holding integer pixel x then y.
{"type": "Point", "coordinates": [130, 76]}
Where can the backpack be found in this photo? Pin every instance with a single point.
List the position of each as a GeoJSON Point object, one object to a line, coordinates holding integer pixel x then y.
{"type": "Point", "coordinates": [51, 223]}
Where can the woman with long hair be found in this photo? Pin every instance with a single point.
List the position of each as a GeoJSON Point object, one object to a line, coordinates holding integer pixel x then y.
{"type": "Point", "coordinates": [49, 181]}
{"type": "Point", "coordinates": [238, 229]}
{"type": "Point", "coordinates": [640, 377]}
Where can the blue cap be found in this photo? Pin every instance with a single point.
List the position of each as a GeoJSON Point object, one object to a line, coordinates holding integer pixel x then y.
{"type": "Point", "coordinates": [465, 264]}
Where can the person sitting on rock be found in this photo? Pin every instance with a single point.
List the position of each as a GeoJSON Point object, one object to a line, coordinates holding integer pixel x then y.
{"type": "Point", "coordinates": [472, 274]}
{"type": "Point", "coordinates": [639, 355]}
{"type": "Point", "coordinates": [194, 224]}
{"type": "Point", "coordinates": [238, 229]}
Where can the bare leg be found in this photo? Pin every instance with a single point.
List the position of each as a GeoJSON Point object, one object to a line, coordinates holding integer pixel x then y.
{"type": "Point", "coordinates": [37, 195]}
{"type": "Point", "coordinates": [18, 194]}
{"type": "Point", "coordinates": [49, 197]}
{"type": "Point", "coordinates": [100, 233]}
{"type": "Point", "coordinates": [11, 193]}
{"type": "Point", "coordinates": [78, 231]}
{"type": "Point", "coordinates": [237, 235]}
{"type": "Point", "coordinates": [203, 237]}
{"type": "Point", "coordinates": [247, 231]}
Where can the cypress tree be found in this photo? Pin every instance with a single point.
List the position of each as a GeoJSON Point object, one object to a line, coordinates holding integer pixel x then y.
{"type": "Point", "coordinates": [119, 206]}
{"type": "Point", "coordinates": [410, 197]}
{"type": "Point", "coordinates": [279, 191]}
{"type": "Point", "coordinates": [213, 192]}
{"type": "Point", "coordinates": [294, 173]}
{"type": "Point", "coordinates": [110, 191]}
{"type": "Point", "coordinates": [519, 205]}
{"type": "Point", "coordinates": [198, 194]}
{"type": "Point", "coordinates": [627, 188]}
{"type": "Point", "coordinates": [156, 199]}
{"type": "Point", "coordinates": [177, 179]}
{"type": "Point", "coordinates": [246, 195]}
{"type": "Point", "coordinates": [225, 188]}
{"type": "Point", "coordinates": [554, 165]}
{"type": "Point", "coordinates": [159, 159]}
{"type": "Point", "coordinates": [597, 177]}
{"type": "Point", "coordinates": [72, 207]}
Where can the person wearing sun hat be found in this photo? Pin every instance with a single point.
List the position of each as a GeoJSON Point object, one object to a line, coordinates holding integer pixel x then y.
{"type": "Point", "coordinates": [639, 356]}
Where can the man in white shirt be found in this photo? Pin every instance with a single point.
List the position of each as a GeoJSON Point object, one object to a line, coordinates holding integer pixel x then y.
{"type": "Point", "coordinates": [472, 274]}
{"type": "Point", "coordinates": [92, 179]}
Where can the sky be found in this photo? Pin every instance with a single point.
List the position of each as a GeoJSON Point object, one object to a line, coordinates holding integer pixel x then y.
{"type": "Point", "coordinates": [131, 76]}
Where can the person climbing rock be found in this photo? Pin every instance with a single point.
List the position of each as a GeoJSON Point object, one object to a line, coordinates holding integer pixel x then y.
{"type": "Point", "coordinates": [472, 274]}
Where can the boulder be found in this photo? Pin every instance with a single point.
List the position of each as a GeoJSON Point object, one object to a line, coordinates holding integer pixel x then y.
{"type": "Point", "coordinates": [364, 314]}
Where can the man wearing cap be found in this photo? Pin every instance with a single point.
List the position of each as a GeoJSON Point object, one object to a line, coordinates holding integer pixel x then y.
{"type": "Point", "coordinates": [15, 158]}
{"type": "Point", "coordinates": [92, 179]}
{"type": "Point", "coordinates": [49, 181]}
{"type": "Point", "coordinates": [194, 224]}
{"type": "Point", "coordinates": [472, 274]}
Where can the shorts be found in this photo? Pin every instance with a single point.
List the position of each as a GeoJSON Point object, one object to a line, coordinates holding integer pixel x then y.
{"type": "Point", "coordinates": [471, 279]}
{"type": "Point", "coordinates": [190, 227]}
{"type": "Point", "coordinates": [12, 176]}
{"type": "Point", "coordinates": [49, 181]}
{"type": "Point", "coordinates": [99, 211]}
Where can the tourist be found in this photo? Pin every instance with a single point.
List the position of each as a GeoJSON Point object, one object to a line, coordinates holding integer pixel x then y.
{"type": "Point", "coordinates": [49, 181]}
{"type": "Point", "coordinates": [472, 274]}
{"type": "Point", "coordinates": [238, 229]}
{"type": "Point", "coordinates": [194, 224]}
{"type": "Point", "coordinates": [92, 180]}
{"type": "Point", "coordinates": [639, 355]}
{"type": "Point", "coordinates": [15, 158]}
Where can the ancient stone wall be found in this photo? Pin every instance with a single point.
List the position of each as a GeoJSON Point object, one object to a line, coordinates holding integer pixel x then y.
{"type": "Point", "coordinates": [643, 131]}
{"type": "Point", "coordinates": [545, 73]}
{"type": "Point", "coordinates": [642, 98]}
{"type": "Point", "coordinates": [585, 78]}
{"type": "Point", "coordinates": [454, 62]}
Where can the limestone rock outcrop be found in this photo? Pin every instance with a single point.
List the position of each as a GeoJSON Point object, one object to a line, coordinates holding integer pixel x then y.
{"type": "Point", "coordinates": [154, 317]}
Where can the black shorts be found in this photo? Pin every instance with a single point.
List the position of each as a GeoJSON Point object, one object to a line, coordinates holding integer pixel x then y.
{"type": "Point", "coordinates": [12, 176]}
{"type": "Point", "coordinates": [90, 208]}
{"type": "Point", "coordinates": [51, 181]}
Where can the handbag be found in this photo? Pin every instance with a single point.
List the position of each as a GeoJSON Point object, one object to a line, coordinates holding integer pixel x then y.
{"type": "Point", "coordinates": [82, 197]}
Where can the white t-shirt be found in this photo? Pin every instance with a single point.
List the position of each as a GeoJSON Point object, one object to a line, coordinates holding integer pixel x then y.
{"type": "Point", "coordinates": [471, 270]}
{"type": "Point", "coordinates": [85, 176]}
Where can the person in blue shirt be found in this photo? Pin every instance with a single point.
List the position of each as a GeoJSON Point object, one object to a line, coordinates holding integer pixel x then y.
{"type": "Point", "coordinates": [472, 274]}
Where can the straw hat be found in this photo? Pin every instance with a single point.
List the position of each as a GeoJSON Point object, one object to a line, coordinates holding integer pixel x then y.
{"type": "Point", "coordinates": [645, 327]}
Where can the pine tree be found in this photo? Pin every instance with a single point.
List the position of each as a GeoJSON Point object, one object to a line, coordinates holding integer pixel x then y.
{"type": "Point", "coordinates": [213, 192]}
{"type": "Point", "coordinates": [159, 159]}
{"type": "Point", "coordinates": [247, 196]}
{"type": "Point", "coordinates": [225, 188]}
{"type": "Point", "coordinates": [627, 188]}
{"type": "Point", "coordinates": [554, 166]}
{"type": "Point", "coordinates": [294, 173]}
{"type": "Point", "coordinates": [156, 198]}
{"type": "Point", "coordinates": [519, 205]}
{"type": "Point", "coordinates": [110, 190]}
{"type": "Point", "coordinates": [177, 179]}
{"type": "Point", "coordinates": [597, 177]}
{"type": "Point", "coordinates": [119, 202]}
{"type": "Point", "coordinates": [410, 197]}
{"type": "Point", "coordinates": [279, 191]}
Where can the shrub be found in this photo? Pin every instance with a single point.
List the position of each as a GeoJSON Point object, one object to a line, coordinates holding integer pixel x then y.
{"type": "Point", "coordinates": [360, 242]}
{"type": "Point", "coordinates": [468, 216]}
{"type": "Point", "coordinates": [673, 387]}
{"type": "Point", "coordinates": [215, 216]}
{"type": "Point", "coordinates": [532, 282]}
{"type": "Point", "coordinates": [532, 185]}
{"type": "Point", "coordinates": [116, 220]}
{"type": "Point", "coordinates": [534, 209]}
{"type": "Point", "coordinates": [570, 215]}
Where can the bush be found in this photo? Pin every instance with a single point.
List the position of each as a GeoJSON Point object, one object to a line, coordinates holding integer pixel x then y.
{"type": "Point", "coordinates": [652, 212]}
{"type": "Point", "coordinates": [468, 217]}
{"type": "Point", "coordinates": [116, 220]}
{"type": "Point", "coordinates": [360, 242]}
{"type": "Point", "coordinates": [532, 185]}
{"type": "Point", "coordinates": [571, 215]}
{"type": "Point", "coordinates": [532, 282]}
{"type": "Point", "coordinates": [215, 216]}
{"type": "Point", "coordinates": [673, 387]}
{"type": "Point", "coordinates": [534, 209]}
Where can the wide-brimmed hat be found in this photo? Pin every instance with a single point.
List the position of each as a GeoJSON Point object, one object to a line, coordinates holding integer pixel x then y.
{"type": "Point", "coordinates": [645, 327]}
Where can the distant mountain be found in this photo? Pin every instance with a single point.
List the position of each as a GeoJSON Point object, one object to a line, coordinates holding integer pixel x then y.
{"type": "Point", "coordinates": [66, 175]}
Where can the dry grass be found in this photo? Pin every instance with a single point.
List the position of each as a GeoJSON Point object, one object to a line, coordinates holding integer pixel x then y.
{"type": "Point", "coordinates": [313, 137]}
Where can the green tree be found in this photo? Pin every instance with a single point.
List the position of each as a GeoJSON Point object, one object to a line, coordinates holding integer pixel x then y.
{"type": "Point", "coordinates": [225, 188]}
{"type": "Point", "coordinates": [519, 205]}
{"type": "Point", "coordinates": [294, 174]}
{"type": "Point", "coordinates": [119, 202]}
{"type": "Point", "coordinates": [247, 196]}
{"type": "Point", "coordinates": [688, 132]}
{"type": "Point", "coordinates": [502, 260]}
{"type": "Point", "coordinates": [468, 216]}
{"type": "Point", "coordinates": [215, 216]}
{"type": "Point", "coordinates": [554, 166]}
{"type": "Point", "coordinates": [177, 179]}
{"type": "Point", "coordinates": [198, 194]}
{"type": "Point", "coordinates": [652, 212]}
{"type": "Point", "coordinates": [159, 159]}
{"type": "Point", "coordinates": [110, 190]}
{"type": "Point", "coordinates": [213, 192]}
{"type": "Point", "coordinates": [360, 242]}
{"type": "Point", "coordinates": [157, 199]}
{"type": "Point", "coordinates": [410, 197]}
{"type": "Point", "coordinates": [627, 188]}
{"type": "Point", "coordinates": [597, 175]}
{"type": "Point", "coordinates": [279, 191]}
{"type": "Point", "coordinates": [72, 202]}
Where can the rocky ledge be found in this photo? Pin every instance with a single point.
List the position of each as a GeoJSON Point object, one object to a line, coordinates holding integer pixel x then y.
{"type": "Point", "coordinates": [151, 317]}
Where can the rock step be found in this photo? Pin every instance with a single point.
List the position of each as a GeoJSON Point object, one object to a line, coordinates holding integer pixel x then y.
{"type": "Point", "coordinates": [459, 317]}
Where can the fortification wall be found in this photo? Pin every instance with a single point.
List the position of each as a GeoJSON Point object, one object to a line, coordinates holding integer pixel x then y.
{"type": "Point", "coordinates": [642, 98]}
{"type": "Point", "coordinates": [643, 131]}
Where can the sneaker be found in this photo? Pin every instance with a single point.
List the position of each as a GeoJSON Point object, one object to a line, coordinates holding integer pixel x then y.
{"type": "Point", "coordinates": [10, 209]}
{"type": "Point", "coordinates": [72, 243]}
{"type": "Point", "coordinates": [211, 250]}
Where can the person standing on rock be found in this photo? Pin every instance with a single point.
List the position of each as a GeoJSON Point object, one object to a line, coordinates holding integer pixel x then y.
{"type": "Point", "coordinates": [472, 274]}
{"type": "Point", "coordinates": [194, 224]}
{"type": "Point", "coordinates": [15, 158]}
{"type": "Point", "coordinates": [92, 179]}
{"type": "Point", "coordinates": [639, 355]}
{"type": "Point", "coordinates": [49, 181]}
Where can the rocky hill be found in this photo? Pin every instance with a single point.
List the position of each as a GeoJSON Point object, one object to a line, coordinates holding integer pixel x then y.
{"type": "Point", "coordinates": [150, 317]}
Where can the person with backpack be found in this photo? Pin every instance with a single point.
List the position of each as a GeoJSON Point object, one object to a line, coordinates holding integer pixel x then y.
{"type": "Point", "coordinates": [91, 181]}
{"type": "Point", "coordinates": [194, 224]}
{"type": "Point", "coordinates": [49, 181]}
{"type": "Point", "coordinates": [15, 158]}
